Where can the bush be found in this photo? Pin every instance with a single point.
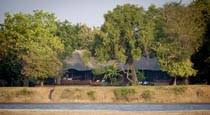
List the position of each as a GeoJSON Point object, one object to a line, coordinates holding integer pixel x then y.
{"type": "Point", "coordinates": [67, 93]}
{"type": "Point", "coordinates": [24, 92]}
{"type": "Point", "coordinates": [5, 95]}
{"type": "Point", "coordinates": [71, 94]}
{"type": "Point", "coordinates": [147, 94]}
{"type": "Point", "coordinates": [200, 93]}
{"type": "Point", "coordinates": [78, 93]}
{"type": "Point", "coordinates": [124, 93]}
{"type": "Point", "coordinates": [179, 90]}
{"type": "Point", "coordinates": [140, 75]}
{"type": "Point", "coordinates": [91, 95]}
{"type": "Point", "coordinates": [78, 90]}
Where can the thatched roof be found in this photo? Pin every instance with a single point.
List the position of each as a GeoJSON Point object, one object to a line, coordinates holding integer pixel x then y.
{"type": "Point", "coordinates": [76, 62]}
{"type": "Point", "coordinates": [147, 63]}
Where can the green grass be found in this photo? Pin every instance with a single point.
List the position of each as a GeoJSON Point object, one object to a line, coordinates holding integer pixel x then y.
{"type": "Point", "coordinates": [91, 95]}
{"type": "Point", "coordinates": [124, 93]}
{"type": "Point", "coordinates": [179, 90]}
{"type": "Point", "coordinates": [71, 94]}
{"type": "Point", "coordinates": [147, 95]}
{"type": "Point", "coordinates": [24, 92]}
{"type": "Point", "coordinates": [67, 93]}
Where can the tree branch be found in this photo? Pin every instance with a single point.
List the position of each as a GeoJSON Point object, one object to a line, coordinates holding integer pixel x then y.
{"type": "Point", "coordinates": [127, 75]}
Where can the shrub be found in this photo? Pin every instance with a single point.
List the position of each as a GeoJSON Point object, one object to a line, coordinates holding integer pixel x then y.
{"type": "Point", "coordinates": [111, 73]}
{"type": "Point", "coordinates": [140, 75]}
{"type": "Point", "coordinates": [67, 93]}
{"type": "Point", "coordinates": [124, 93]}
{"type": "Point", "coordinates": [78, 93]}
{"type": "Point", "coordinates": [91, 95]}
{"type": "Point", "coordinates": [78, 90]}
{"type": "Point", "coordinates": [200, 93]}
{"type": "Point", "coordinates": [179, 90]}
{"type": "Point", "coordinates": [71, 94]}
{"type": "Point", "coordinates": [5, 95]}
{"type": "Point", "coordinates": [147, 94]}
{"type": "Point", "coordinates": [24, 92]}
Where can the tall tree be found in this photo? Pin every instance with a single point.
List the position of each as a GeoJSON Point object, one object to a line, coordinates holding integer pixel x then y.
{"type": "Point", "coordinates": [98, 47]}
{"type": "Point", "coordinates": [31, 37]}
{"type": "Point", "coordinates": [183, 29]}
{"type": "Point", "coordinates": [10, 68]}
{"type": "Point", "coordinates": [74, 37]}
{"type": "Point", "coordinates": [123, 29]}
{"type": "Point", "coordinates": [201, 58]}
{"type": "Point", "coordinates": [68, 33]}
{"type": "Point", "coordinates": [148, 30]}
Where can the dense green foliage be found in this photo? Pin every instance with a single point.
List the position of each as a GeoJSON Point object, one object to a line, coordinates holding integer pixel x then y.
{"type": "Point", "coordinates": [31, 39]}
{"type": "Point", "coordinates": [74, 37]}
{"type": "Point", "coordinates": [124, 93]}
{"type": "Point", "coordinates": [36, 45]}
{"type": "Point", "coordinates": [140, 75]}
{"type": "Point", "coordinates": [111, 72]}
{"type": "Point", "coordinates": [201, 58]}
{"type": "Point", "coordinates": [147, 95]}
{"type": "Point", "coordinates": [127, 33]}
{"type": "Point", "coordinates": [183, 29]}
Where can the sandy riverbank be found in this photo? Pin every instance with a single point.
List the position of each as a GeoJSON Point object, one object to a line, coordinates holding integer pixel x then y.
{"type": "Point", "coordinates": [90, 112]}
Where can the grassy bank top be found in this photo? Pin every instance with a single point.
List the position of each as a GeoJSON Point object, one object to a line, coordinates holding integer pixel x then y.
{"type": "Point", "coordinates": [98, 94]}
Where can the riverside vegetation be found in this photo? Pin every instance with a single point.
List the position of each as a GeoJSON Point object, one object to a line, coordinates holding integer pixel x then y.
{"type": "Point", "coordinates": [99, 94]}
{"type": "Point", "coordinates": [35, 45]}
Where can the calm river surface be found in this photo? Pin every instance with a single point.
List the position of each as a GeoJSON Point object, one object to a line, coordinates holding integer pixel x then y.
{"type": "Point", "coordinates": [120, 107]}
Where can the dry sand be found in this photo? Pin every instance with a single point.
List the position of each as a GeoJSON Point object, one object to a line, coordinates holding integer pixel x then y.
{"type": "Point", "coordinates": [98, 112]}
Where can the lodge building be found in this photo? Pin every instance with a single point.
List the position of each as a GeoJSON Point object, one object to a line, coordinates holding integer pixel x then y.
{"type": "Point", "coordinates": [79, 73]}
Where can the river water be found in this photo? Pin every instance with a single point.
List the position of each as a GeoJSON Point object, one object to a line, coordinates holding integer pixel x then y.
{"type": "Point", "coordinates": [120, 107]}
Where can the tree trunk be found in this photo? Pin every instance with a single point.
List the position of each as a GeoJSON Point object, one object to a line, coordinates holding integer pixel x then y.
{"type": "Point", "coordinates": [133, 73]}
{"type": "Point", "coordinates": [186, 82]}
{"type": "Point", "coordinates": [25, 82]}
{"type": "Point", "coordinates": [111, 81]}
{"type": "Point", "coordinates": [174, 81]}
{"type": "Point", "coordinates": [41, 83]}
{"type": "Point", "coordinates": [12, 82]}
{"type": "Point", "coordinates": [127, 75]}
{"type": "Point", "coordinates": [208, 80]}
{"type": "Point", "coordinates": [58, 80]}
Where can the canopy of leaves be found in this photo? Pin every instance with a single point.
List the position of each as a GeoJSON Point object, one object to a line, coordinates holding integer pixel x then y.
{"type": "Point", "coordinates": [201, 58]}
{"type": "Point", "coordinates": [183, 29]}
{"type": "Point", "coordinates": [128, 32]}
{"type": "Point", "coordinates": [98, 47]}
{"type": "Point", "coordinates": [122, 30]}
{"type": "Point", "coordinates": [151, 18]}
{"type": "Point", "coordinates": [74, 37]}
{"type": "Point", "coordinates": [32, 38]}
{"type": "Point", "coordinates": [140, 75]}
{"type": "Point", "coordinates": [111, 72]}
